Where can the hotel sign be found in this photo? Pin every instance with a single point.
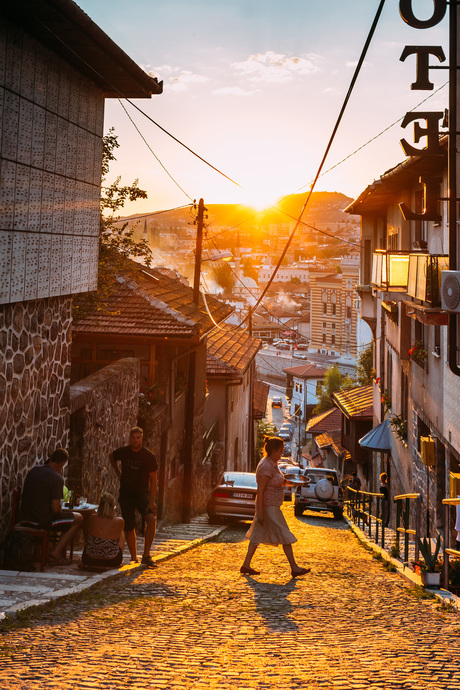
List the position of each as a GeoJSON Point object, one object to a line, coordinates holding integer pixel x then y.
{"type": "Point", "coordinates": [426, 124]}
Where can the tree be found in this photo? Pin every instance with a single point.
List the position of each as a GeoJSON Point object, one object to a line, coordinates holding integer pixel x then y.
{"type": "Point", "coordinates": [333, 382]}
{"type": "Point", "coordinates": [117, 246]}
{"type": "Point", "coordinates": [365, 371]}
{"type": "Point", "coordinates": [249, 269]}
{"type": "Point", "coordinates": [224, 276]}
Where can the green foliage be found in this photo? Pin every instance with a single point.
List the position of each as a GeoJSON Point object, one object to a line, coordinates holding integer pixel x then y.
{"type": "Point", "coordinates": [334, 381]}
{"type": "Point", "coordinates": [117, 245]}
{"type": "Point", "coordinates": [365, 371]}
{"type": "Point", "coordinates": [263, 429]}
{"type": "Point", "coordinates": [249, 269]}
{"type": "Point", "coordinates": [224, 276]}
{"type": "Point", "coordinates": [429, 557]}
{"type": "Point", "coordinates": [399, 426]}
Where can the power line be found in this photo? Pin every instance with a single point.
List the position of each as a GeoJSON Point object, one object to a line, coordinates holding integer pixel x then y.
{"type": "Point", "coordinates": [328, 147]}
{"type": "Point", "coordinates": [153, 153]}
{"type": "Point", "coordinates": [153, 213]}
{"type": "Point", "coordinates": [122, 95]}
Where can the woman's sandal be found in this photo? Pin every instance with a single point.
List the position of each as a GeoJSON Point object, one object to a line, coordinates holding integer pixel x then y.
{"type": "Point", "coordinates": [302, 571]}
{"type": "Point", "coordinates": [248, 571]}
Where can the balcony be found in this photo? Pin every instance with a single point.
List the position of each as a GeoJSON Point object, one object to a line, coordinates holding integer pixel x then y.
{"type": "Point", "coordinates": [390, 270]}
{"type": "Point", "coordinates": [424, 277]}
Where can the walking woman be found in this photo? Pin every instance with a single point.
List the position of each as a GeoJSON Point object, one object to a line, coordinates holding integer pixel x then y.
{"type": "Point", "coordinates": [269, 526]}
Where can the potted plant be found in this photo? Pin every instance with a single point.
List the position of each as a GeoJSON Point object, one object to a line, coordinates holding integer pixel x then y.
{"type": "Point", "coordinates": [418, 351]}
{"type": "Point", "coordinates": [430, 577]}
{"type": "Point", "coordinates": [399, 426]}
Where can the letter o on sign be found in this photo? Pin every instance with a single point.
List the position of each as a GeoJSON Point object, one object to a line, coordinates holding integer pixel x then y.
{"type": "Point", "coordinates": [406, 12]}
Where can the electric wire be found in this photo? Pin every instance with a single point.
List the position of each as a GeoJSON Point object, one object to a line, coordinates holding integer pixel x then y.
{"type": "Point", "coordinates": [153, 152]}
{"type": "Point", "coordinates": [122, 95]}
{"type": "Point", "coordinates": [153, 213]}
{"type": "Point", "coordinates": [329, 145]}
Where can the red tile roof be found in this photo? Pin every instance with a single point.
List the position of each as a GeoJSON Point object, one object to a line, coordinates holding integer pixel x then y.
{"type": "Point", "coordinates": [325, 422]}
{"type": "Point", "coordinates": [230, 351]}
{"type": "Point", "coordinates": [153, 305]}
{"type": "Point", "coordinates": [332, 441]}
{"type": "Point", "coordinates": [356, 402]}
{"type": "Point", "coordinates": [306, 371]}
{"type": "Point", "coordinates": [260, 397]}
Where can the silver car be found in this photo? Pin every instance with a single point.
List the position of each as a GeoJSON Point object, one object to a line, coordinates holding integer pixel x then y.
{"type": "Point", "coordinates": [323, 493]}
{"type": "Point", "coordinates": [234, 497]}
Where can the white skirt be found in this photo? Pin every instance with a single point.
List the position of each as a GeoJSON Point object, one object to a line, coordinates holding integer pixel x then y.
{"type": "Point", "coordinates": [273, 532]}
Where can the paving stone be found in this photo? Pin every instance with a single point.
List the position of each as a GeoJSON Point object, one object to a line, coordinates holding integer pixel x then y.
{"type": "Point", "coordinates": [196, 623]}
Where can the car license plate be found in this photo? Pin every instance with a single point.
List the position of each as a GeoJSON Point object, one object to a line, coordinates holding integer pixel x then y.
{"type": "Point", "coordinates": [242, 495]}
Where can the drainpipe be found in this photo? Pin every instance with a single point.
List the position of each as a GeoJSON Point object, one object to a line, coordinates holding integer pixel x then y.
{"type": "Point", "coordinates": [454, 139]}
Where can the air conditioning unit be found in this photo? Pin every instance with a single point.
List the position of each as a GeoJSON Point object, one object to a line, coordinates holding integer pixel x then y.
{"type": "Point", "coordinates": [427, 450]}
{"type": "Point", "coordinates": [450, 290]}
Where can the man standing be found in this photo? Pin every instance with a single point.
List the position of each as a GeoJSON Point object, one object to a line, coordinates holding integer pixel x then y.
{"type": "Point", "coordinates": [41, 503]}
{"type": "Point", "coordinates": [138, 486]}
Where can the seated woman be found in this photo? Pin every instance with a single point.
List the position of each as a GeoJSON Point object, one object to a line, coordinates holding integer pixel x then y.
{"type": "Point", "coordinates": [104, 536]}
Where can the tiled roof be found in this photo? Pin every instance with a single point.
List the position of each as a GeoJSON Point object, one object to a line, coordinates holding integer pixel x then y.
{"type": "Point", "coordinates": [230, 350]}
{"type": "Point", "coordinates": [155, 305]}
{"type": "Point", "coordinates": [327, 421]}
{"type": "Point", "coordinates": [129, 311]}
{"type": "Point", "coordinates": [179, 297]}
{"type": "Point", "coordinates": [260, 397]}
{"type": "Point", "coordinates": [306, 371]}
{"type": "Point", "coordinates": [332, 441]}
{"type": "Point", "coordinates": [356, 402]}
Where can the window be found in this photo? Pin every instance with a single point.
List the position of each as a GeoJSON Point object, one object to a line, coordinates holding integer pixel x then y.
{"type": "Point", "coordinates": [334, 309]}
{"type": "Point", "coordinates": [333, 339]}
{"type": "Point", "coordinates": [348, 312]}
{"type": "Point", "coordinates": [324, 339]}
{"type": "Point", "coordinates": [437, 341]}
{"type": "Point", "coordinates": [334, 303]}
{"type": "Point", "coordinates": [324, 307]}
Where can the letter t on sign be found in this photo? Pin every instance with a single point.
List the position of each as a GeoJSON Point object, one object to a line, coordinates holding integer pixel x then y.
{"type": "Point", "coordinates": [423, 53]}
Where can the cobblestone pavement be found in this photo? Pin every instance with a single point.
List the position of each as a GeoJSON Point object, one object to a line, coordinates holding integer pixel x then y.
{"type": "Point", "coordinates": [196, 623]}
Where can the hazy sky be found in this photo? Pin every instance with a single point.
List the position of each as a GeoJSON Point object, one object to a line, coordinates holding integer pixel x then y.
{"type": "Point", "coordinates": [255, 87]}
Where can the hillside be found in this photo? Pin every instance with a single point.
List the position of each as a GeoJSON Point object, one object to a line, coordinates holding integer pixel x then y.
{"type": "Point", "coordinates": [324, 208]}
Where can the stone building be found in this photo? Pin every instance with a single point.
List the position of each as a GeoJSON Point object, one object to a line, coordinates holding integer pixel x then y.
{"type": "Point", "coordinates": [56, 68]}
{"type": "Point", "coordinates": [400, 287]}
{"type": "Point", "coordinates": [153, 318]}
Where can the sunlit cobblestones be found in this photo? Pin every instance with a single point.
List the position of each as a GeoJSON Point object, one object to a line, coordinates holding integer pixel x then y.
{"type": "Point", "coordinates": [196, 623]}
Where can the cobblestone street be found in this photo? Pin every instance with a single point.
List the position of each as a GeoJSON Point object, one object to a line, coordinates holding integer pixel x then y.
{"type": "Point", "coordinates": [195, 622]}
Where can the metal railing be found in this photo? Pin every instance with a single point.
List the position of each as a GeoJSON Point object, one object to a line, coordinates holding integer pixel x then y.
{"type": "Point", "coordinates": [210, 439]}
{"type": "Point", "coordinates": [360, 507]}
{"type": "Point", "coordinates": [403, 513]}
{"type": "Point", "coordinates": [447, 551]}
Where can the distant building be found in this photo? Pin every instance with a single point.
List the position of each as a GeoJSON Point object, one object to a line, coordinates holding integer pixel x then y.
{"type": "Point", "coordinates": [302, 387]}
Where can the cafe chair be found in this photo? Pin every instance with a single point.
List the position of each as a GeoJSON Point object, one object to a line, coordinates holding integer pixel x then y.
{"type": "Point", "coordinates": [43, 537]}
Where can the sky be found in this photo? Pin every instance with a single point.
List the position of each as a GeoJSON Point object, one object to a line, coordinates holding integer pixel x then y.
{"type": "Point", "coordinates": [255, 88]}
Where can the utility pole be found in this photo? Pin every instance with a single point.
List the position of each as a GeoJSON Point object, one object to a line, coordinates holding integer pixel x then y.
{"type": "Point", "coordinates": [250, 321]}
{"type": "Point", "coordinates": [198, 250]}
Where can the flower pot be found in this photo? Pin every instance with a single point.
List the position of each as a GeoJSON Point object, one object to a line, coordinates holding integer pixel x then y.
{"type": "Point", "coordinates": [431, 579]}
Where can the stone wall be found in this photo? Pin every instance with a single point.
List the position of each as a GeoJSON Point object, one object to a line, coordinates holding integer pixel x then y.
{"type": "Point", "coordinates": [34, 388]}
{"type": "Point", "coordinates": [104, 407]}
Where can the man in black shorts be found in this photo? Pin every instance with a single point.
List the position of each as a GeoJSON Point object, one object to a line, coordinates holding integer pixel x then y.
{"type": "Point", "coordinates": [41, 503]}
{"type": "Point", "coordinates": [138, 486]}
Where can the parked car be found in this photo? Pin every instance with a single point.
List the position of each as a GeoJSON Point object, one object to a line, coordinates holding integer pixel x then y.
{"type": "Point", "coordinates": [233, 497]}
{"type": "Point", "coordinates": [283, 346]}
{"type": "Point", "coordinates": [284, 434]}
{"type": "Point", "coordinates": [289, 469]}
{"type": "Point", "coordinates": [322, 494]}
{"type": "Point", "coordinates": [300, 355]}
{"type": "Point", "coordinates": [287, 451]}
{"type": "Point", "coordinates": [277, 401]}
{"type": "Point", "coordinates": [288, 428]}
{"type": "Point", "coordinates": [302, 346]}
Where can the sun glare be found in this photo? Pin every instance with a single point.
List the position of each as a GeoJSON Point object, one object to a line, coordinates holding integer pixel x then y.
{"type": "Point", "coordinates": [259, 197]}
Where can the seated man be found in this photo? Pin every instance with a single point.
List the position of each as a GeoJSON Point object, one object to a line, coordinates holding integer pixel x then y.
{"type": "Point", "coordinates": [41, 503]}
